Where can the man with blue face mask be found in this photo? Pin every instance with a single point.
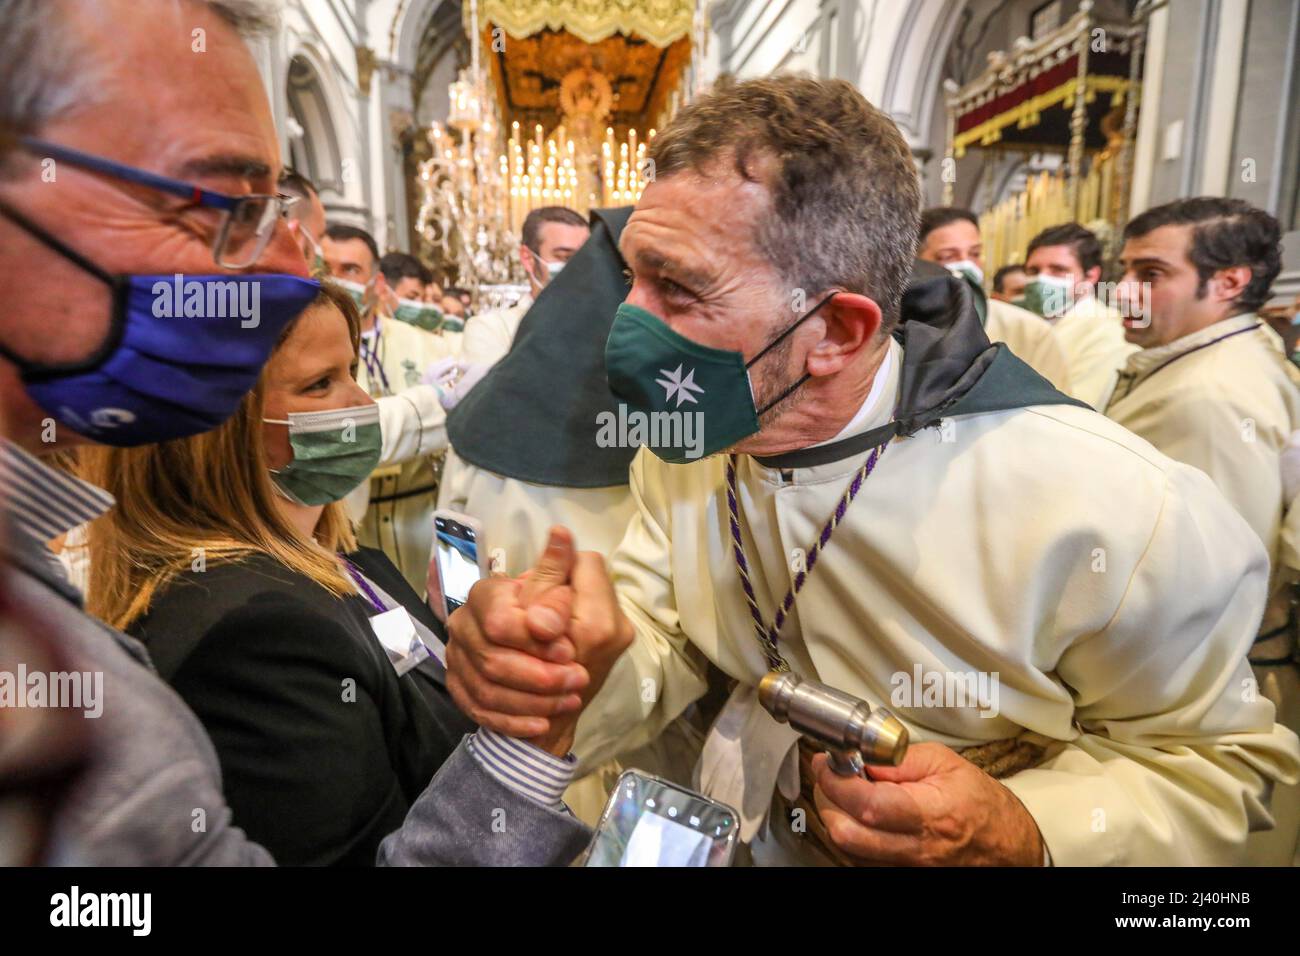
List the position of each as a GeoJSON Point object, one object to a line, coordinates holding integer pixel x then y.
{"type": "Point", "coordinates": [550, 237]}
{"type": "Point", "coordinates": [146, 271]}
{"type": "Point", "coordinates": [844, 479]}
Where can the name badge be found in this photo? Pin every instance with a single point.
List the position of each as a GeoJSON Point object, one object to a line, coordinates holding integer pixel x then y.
{"type": "Point", "coordinates": [397, 635]}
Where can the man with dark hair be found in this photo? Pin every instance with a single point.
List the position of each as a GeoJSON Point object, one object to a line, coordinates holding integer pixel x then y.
{"type": "Point", "coordinates": [1009, 283]}
{"type": "Point", "coordinates": [845, 480]}
{"type": "Point", "coordinates": [550, 237]}
{"type": "Point", "coordinates": [1063, 266]}
{"type": "Point", "coordinates": [405, 274]}
{"type": "Point", "coordinates": [936, 217]}
{"type": "Point", "coordinates": [394, 511]}
{"type": "Point", "coordinates": [1212, 387]}
{"type": "Point", "coordinates": [352, 257]}
{"type": "Point", "coordinates": [951, 238]}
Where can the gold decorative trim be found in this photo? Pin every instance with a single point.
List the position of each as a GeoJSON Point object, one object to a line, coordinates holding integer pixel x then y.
{"type": "Point", "coordinates": [366, 63]}
{"type": "Point", "coordinates": [660, 21]}
{"type": "Point", "coordinates": [1028, 113]}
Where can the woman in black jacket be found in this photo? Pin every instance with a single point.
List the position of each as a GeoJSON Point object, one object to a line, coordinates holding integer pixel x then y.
{"type": "Point", "coordinates": [231, 556]}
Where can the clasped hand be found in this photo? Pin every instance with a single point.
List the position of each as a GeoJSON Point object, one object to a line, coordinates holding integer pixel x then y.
{"type": "Point", "coordinates": [527, 654]}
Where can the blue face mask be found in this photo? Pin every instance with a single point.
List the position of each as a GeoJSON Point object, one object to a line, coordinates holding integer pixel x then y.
{"type": "Point", "coordinates": [180, 354]}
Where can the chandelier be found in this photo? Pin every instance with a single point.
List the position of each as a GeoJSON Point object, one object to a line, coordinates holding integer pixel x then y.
{"type": "Point", "coordinates": [477, 191]}
{"type": "Point", "coordinates": [464, 214]}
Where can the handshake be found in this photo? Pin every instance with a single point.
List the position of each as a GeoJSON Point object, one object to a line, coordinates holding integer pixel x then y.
{"type": "Point", "coordinates": [527, 654]}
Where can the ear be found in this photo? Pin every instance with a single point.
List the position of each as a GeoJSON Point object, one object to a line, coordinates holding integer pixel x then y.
{"type": "Point", "coordinates": [1227, 284]}
{"type": "Point", "coordinates": [1093, 275]}
{"type": "Point", "coordinates": [851, 323]}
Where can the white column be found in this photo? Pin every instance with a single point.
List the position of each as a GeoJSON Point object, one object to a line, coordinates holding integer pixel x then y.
{"type": "Point", "coordinates": [1148, 131]}
{"type": "Point", "coordinates": [1220, 118]}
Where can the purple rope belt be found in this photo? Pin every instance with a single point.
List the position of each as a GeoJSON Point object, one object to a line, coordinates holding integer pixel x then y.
{"type": "Point", "coordinates": [768, 634]}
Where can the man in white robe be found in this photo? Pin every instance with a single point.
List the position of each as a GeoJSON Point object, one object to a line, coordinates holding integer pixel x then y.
{"type": "Point", "coordinates": [1211, 387]}
{"type": "Point", "coordinates": [951, 238]}
{"type": "Point", "coordinates": [1064, 266]}
{"type": "Point", "coordinates": [935, 506]}
{"type": "Point", "coordinates": [549, 238]}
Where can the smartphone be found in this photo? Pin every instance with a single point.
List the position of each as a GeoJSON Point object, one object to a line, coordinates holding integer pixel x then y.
{"type": "Point", "coordinates": [650, 821]}
{"type": "Point", "coordinates": [456, 556]}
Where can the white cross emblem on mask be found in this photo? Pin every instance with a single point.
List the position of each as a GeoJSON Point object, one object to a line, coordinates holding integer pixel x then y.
{"type": "Point", "coordinates": [675, 384]}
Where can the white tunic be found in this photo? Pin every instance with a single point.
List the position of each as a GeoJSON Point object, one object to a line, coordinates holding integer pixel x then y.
{"type": "Point", "coordinates": [1092, 335]}
{"type": "Point", "coordinates": [488, 336]}
{"type": "Point", "coordinates": [1227, 400]}
{"type": "Point", "coordinates": [1031, 338]}
{"type": "Point", "coordinates": [1112, 591]}
{"type": "Point", "coordinates": [403, 526]}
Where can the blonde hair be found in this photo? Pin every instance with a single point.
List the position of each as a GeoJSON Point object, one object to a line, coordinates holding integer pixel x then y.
{"type": "Point", "coordinates": [205, 498]}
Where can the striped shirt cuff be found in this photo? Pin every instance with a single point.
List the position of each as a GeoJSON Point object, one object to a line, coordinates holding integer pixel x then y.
{"type": "Point", "coordinates": [524, 768]}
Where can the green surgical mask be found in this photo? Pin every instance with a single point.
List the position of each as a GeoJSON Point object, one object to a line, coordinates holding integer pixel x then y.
{"type": "Point", "coordinates": [317, 265]}
{"type": "Point", "coordinates": [968, 269]}
{"type": "Point", "coordinates": [333, 452]}
{"type": "Point", "coordinates": [552, 269]}
{"type": "Point", "coordinates": [654, 371]}
{"type": "Point", "coordinates": [422, 315]}
{"type": "Point", "coordinates": [357, 290]}
{"type": "Point", "coordinates": [1048, 296]}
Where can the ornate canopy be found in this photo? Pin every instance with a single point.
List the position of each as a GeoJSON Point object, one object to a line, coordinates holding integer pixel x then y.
{"type": "Point", "coordinates": [662, 22]}
{"type": "Point", "coordinates": [1026, 98]}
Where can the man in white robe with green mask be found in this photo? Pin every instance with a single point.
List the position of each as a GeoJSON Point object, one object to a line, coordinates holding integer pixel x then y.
{"type": "Point", "coordinates": [882, 497]}
{"type": "Point", "coordinates": [951, 237]}
{"type": "Point", "coordinates": [1064, 266]}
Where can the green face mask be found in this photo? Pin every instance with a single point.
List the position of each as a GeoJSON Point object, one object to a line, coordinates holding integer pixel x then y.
{"type": "Point", "coordinates": [357, 291]}
{"type": "Point", "coordinates": [422, 315]}
{"type": "Point", "coordinates": [1048, 296]}
{"type": "Point", "coordinates": [333, 452]}
{"type": "Point", "coordinates": [690, 400]}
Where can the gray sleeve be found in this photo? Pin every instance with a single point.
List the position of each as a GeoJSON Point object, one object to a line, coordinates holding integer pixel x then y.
{"type": "Point", "coordinates": [466, 817]}
{"type": "Point", "coordinates": [175, 817]}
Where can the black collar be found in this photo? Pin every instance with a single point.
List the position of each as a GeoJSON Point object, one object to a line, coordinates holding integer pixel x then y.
{"type": "Point", "coordinates": [949, 368]}
{"type": "Point", "coordinates": [851, 447]}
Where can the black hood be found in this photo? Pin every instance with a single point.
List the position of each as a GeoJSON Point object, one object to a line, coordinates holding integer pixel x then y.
{"type": "Point", "coordinates": [950, 368]}
{"type": "Point", "coordinates": [534, 416]}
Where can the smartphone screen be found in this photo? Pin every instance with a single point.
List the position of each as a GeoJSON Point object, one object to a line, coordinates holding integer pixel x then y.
{"type": "Point", "coordinates": [652, 822]}
{"type": "Point", "coordinates": [456, 551]}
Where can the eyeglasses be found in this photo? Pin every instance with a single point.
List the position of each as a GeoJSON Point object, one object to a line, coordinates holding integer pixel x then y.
{"type": "Point", "coordinates": [247, 222]}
